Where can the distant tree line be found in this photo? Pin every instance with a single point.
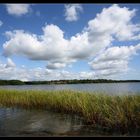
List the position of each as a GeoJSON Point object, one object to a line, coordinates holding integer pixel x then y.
{"type": "Point", "coordinates": [11, 82]}
{"type": "Point", "coordinates": [75, 81]}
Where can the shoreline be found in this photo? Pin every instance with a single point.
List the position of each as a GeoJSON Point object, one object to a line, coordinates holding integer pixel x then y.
{"type": "Point", "coordinates": [58, 82]}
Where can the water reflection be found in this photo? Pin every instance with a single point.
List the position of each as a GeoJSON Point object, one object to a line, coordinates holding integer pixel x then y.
{"type": "Point", "coordinates": [36, 122]}
{"type": "Point", "coordinates": [20, 122]}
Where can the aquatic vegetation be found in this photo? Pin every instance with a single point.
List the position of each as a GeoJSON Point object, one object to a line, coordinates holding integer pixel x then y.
{"type": "Point", "coordinates": [119, 112]}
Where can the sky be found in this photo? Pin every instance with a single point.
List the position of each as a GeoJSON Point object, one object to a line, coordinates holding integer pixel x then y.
{"type": "Point", "coordinates": [69, 41]}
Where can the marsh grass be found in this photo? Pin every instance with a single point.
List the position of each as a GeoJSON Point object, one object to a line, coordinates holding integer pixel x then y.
{"type": "Point", "coordinates": [120, 113]}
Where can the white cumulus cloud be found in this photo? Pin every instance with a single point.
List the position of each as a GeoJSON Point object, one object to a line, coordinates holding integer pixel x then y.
{"type": "Point", "coordinates": [113, 60]}
{"type": "Point", "coordinates": [17, 9]}
{"type": "Point", "coordinates": [72, 11]}
{"type": "Point", "coordinates": [55, 65]}
{"type": "Point", "coordinates": [10, 63]}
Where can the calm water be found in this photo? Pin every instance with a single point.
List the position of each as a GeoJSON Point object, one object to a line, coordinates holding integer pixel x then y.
{"type": "Point", "coordinates": [109, 88]}
{"type": "Point", "coordinates": [20, 122]}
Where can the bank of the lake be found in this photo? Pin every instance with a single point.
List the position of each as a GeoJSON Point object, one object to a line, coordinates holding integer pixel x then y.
{"type": "Point", "coordinates": [72, 81]}
{"type": "Point", "coordinates": [120, 113]}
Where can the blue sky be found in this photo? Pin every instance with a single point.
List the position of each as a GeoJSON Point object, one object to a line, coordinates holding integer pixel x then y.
{"type": "Point", "coordinates": [69, 41]}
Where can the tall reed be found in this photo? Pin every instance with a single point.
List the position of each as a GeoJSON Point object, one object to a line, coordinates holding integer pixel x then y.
{"type": "Point", "coordinates": [113, 112]}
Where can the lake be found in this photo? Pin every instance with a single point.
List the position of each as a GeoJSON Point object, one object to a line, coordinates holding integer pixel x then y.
{"type": "Point", "coordinates": [108, 88]}
{"type": "Point", "coordinates": [21, 122]}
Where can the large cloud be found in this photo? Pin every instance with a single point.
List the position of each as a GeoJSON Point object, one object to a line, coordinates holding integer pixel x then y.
{"type": "Point", "coordinates": [51, 45]}
{"type": "Point", "coordinates": [113, 23]}
{"type": "Point", "coordinates": [18, 9]}
{"type": "Point", "coordinates": [113, 60]}
{"type": "Point", "coordinates": [72, 11]}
